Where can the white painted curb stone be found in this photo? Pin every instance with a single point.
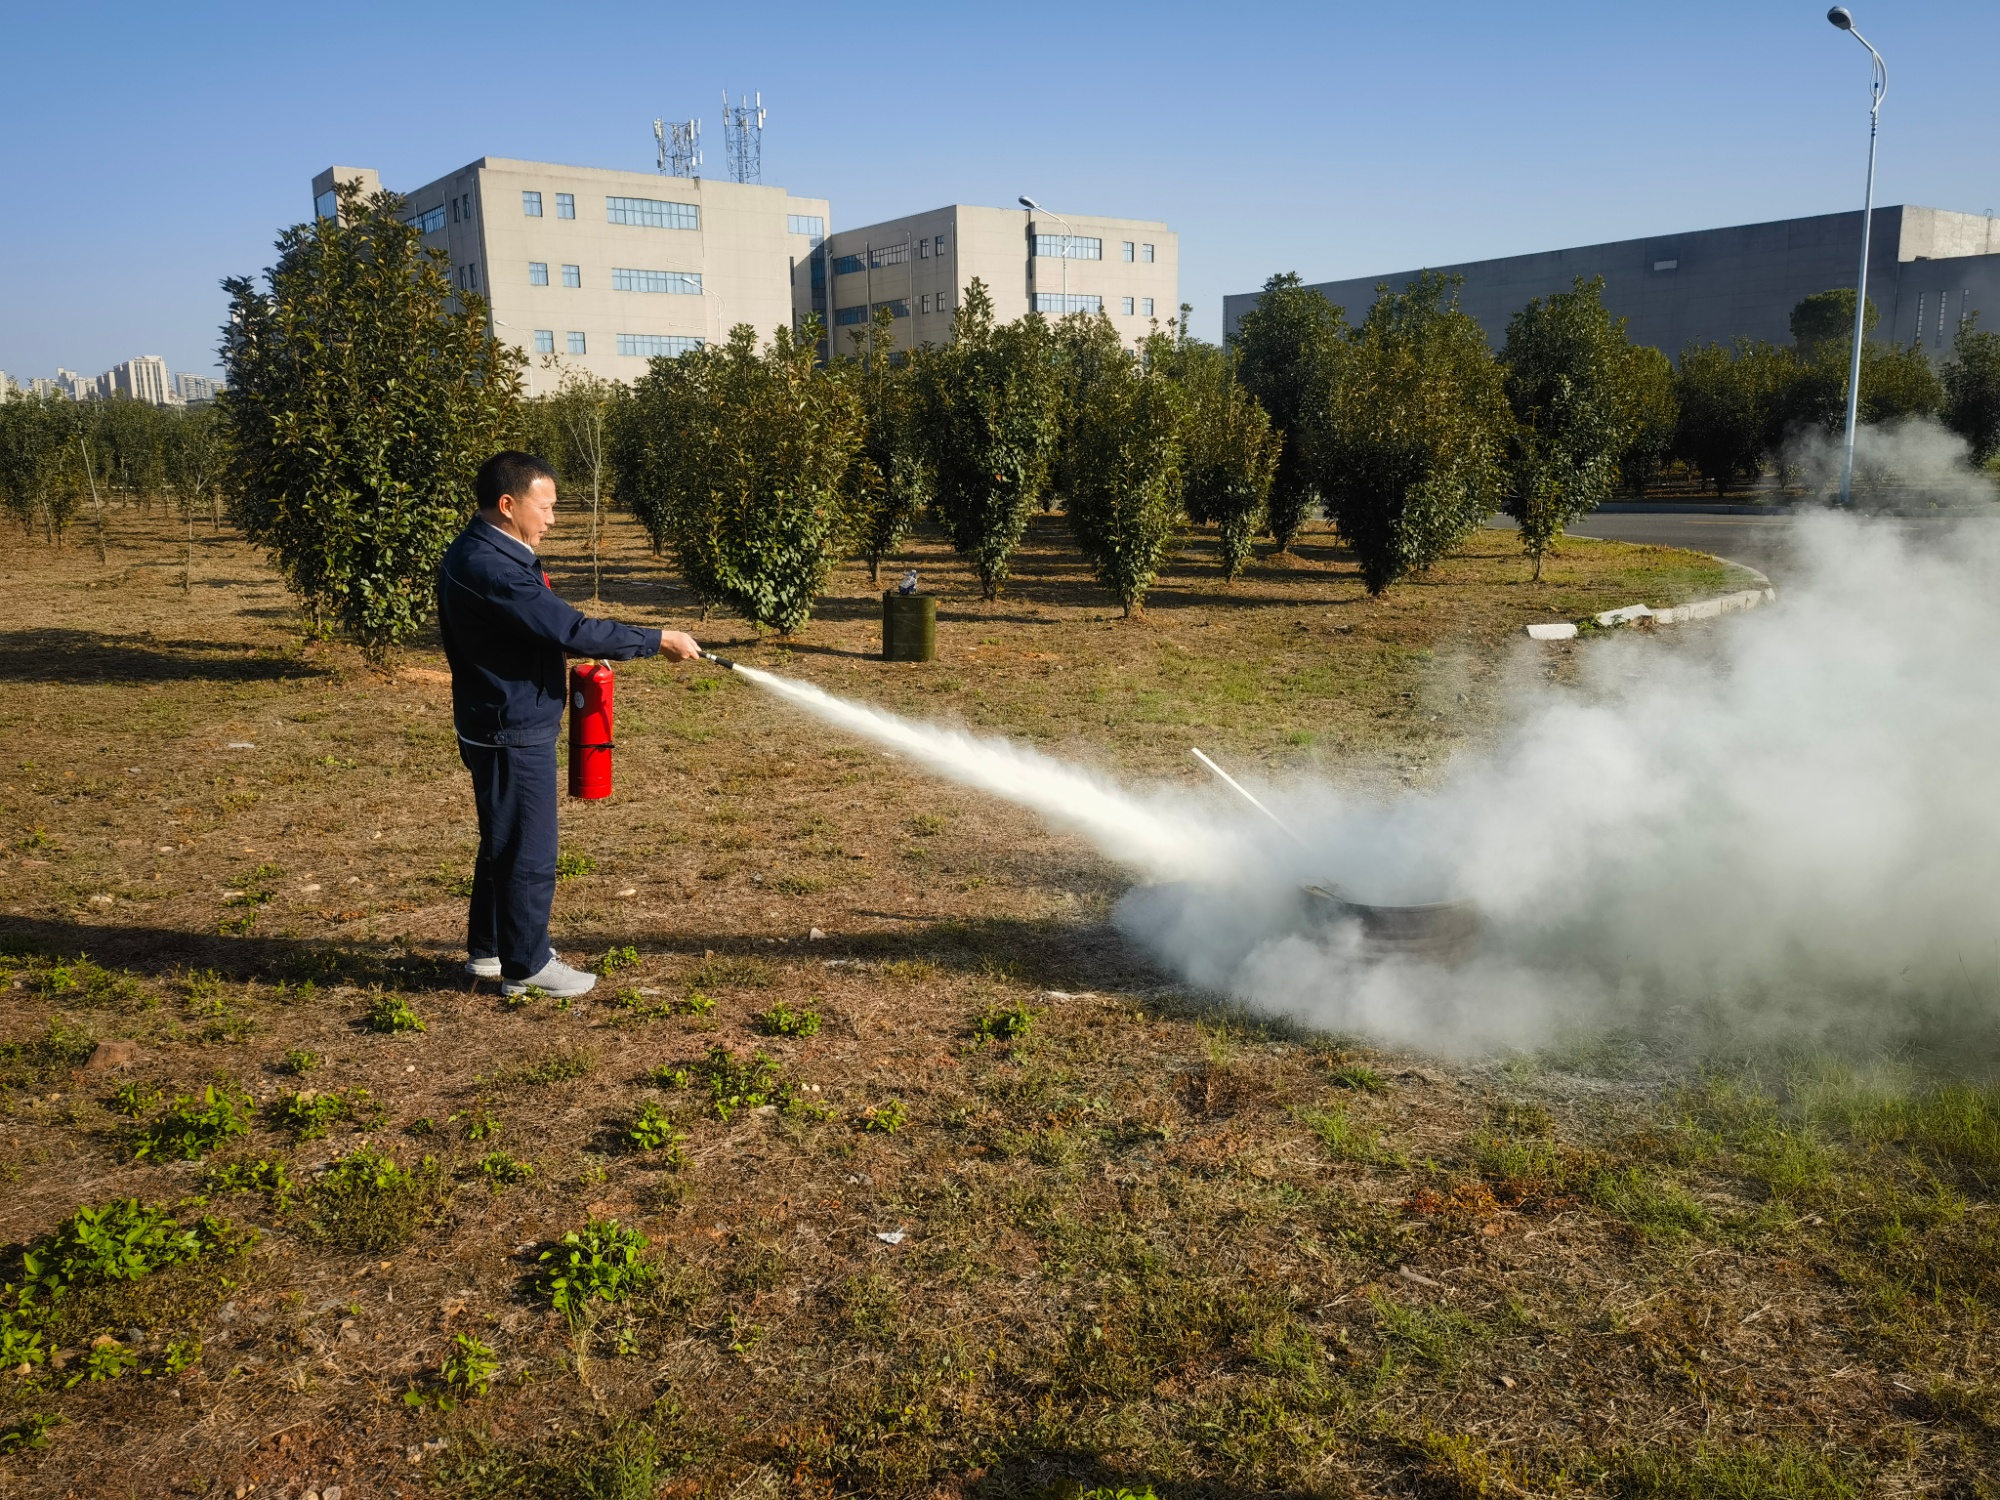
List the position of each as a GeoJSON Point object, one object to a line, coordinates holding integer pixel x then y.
{"type": "Point", "coordinates": [1562, 630]}
{"type": "Point", "coordinates": [1709, 609]}
{"type": "Point", "coordinates": [1624, 616]}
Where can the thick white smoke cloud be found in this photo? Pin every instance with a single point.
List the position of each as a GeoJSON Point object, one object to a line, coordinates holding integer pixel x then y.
{"type": "Point", "coordinates": [1783, 823]}
{"type": "Point", "coordinates": [1789, 822]}
{"type": "Point", "coordinates": [1916, 464]}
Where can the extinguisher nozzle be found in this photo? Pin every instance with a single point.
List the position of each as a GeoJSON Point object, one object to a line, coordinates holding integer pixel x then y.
{"type": "Point", "coordinates": [721, 661]}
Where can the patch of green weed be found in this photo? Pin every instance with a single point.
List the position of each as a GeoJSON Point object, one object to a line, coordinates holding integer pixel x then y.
{"type": "Point", "coordinates": [194, 1125]}
{"type": "Point", "coordinates": [600, 1262]}
{"type": "Point", "coordinates": [392, 1014]}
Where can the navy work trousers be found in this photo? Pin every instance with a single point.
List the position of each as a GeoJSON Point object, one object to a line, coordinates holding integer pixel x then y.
{"type": "Point", "coordinates": [514, 877]}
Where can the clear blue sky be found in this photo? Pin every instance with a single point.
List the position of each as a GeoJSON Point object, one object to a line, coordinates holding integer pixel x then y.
{"type": "Point", "coordinates": [153, 149]}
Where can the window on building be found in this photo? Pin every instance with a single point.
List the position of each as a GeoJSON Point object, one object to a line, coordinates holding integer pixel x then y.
{"type": "Point", "coordinates": [810, 225]}
{"type": "Point", "coordinates": [652, 213]}
{"type": "Point", "coordinates": [1058, 304]}
{"type": "Point", "coordinates": [572, 276]}
{"type": "Point", "coordinates": [1146, 254]}
{"type": "Point", "coordinates": [327, 205]}
{"type": "Point", "coordinates": [427, 223]}
{"type": "Point", "coordinates": [565, 205]}
{"type": "Point", "coordinates": [1070, 246]}
{"type": "Point", "coordinates": [545, 341]}
{"type": "Point", "coordinates": [679, 283]}
{"type": "Point", "coordinates": [1125, 306]}
{"type": "Point", "coordinates": [454, 210]}
{"type": "Point", "coordinates": [889, 255]}
{"type": "Point", "coordinates": [899, 308]}
{"type": "Point", "coordinates": [1125, 249]}
{"type": "Point", "coordinates": [655, 345]}
{"type": "Point", "coordinates": [1145, 307]}
{"type": "Point", "coordinates": [846, 316]}
{"type": "Point", "coordinates": [472, 274]}
{"type": "Point", "coordinates": [939, 242]}
{"type": "Point", "coordinates": [531, 204]}
{"type": "Point", "coordinates": [466, 201]}
{"type": "Point", "coordinates": [923, 249]}
{"type": "Point", "coordinates": [577, 343]}
{"type": "Point", "coordinates": [924, 303]}
{"type": "Point", "coordinates": [538, 273]}
{"type": "Point", "coordinates": [847, 265]}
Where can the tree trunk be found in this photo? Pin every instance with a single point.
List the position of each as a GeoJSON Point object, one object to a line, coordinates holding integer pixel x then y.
{"type": "Point", "coordinates": [187, 556]}
{"type": "Point", "coordinates": [96, 500]}
{"type": "Point", "coordinates": [594, 503]}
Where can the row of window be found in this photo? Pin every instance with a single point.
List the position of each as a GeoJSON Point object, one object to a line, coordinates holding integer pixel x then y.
{"type": "Point", "coordinates": [1069, 246]}
{"type": "Point", "coordinates": [861, 313]}
{"type": "Point", "coordinates": [427, 223]}
{"type": "Point", "coordinates": [623, 279]}
{"type": "Point", "coordinates": [679, 283]}
{"type": "Point", "coordinates": [656, 345]}
{"type": "Point", "coordinates": [807, 224]}
{"type": "Point", "coordinates": [887, 255]}
{"type": "Point", "coordinates": [1084, 247]}
{"type": "Point", "coordinates": [531, 205]}
{"type": "Point", "coordinates": [652, 213]}
{"type": "Point", "coordinates": [1060, 303]}
{"type": "Point", "coordinates": [643, 345]}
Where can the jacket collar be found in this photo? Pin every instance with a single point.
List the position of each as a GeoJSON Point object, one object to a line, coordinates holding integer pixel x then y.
{"type": "Point", "coordinates": [507, 546]}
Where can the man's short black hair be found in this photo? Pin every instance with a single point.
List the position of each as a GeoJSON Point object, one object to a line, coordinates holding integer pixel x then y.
{"type": "Point", "coordinates": [508, 473]}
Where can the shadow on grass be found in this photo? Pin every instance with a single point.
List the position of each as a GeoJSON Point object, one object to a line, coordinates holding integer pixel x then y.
{"type": "Point", "coordinates": [54, 654]}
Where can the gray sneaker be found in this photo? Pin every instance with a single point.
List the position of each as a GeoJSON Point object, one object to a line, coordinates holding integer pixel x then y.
{"type": "Point", "coordinates": [483, 968]}
{"type": "Point", "coordinates": [555, 978]}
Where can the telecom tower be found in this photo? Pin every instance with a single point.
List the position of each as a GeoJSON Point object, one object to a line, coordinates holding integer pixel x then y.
{"type": "Point", "coordinates": [680, 147]}
{"type": "Point", "coordinates": [743, 136]}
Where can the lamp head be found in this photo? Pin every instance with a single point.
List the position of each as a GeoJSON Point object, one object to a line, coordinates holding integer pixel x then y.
{"type": "Point", "coordinates": [1839, 17]}
{"type": "Point", "coordinates": [1029, 203]}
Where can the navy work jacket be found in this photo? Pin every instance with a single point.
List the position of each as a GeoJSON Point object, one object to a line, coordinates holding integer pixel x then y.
{"type": "Point", "coordinates": [506, 635]}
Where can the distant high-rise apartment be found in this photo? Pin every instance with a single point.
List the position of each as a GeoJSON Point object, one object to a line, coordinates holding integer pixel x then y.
{"type": "Point", "coordinates": [78, 387]}
{"type": "Point", "coordinates": [196, 387]}
{"type": "Point", "coordinates": [1030, 261]}
{"type": "Point", "coordinates": [142, 379]}
{"type": "Point", "coordinates": [604, 270]}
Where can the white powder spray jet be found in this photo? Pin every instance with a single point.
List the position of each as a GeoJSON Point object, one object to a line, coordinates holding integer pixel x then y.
{"type": "Point", "coordinates": [1788, 822]}
{"type": "Point", "coordinates": [1166, 839]}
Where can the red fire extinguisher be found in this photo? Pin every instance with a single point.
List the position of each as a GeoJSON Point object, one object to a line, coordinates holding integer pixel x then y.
{"type": "Point", "coordinates": [590, 685]}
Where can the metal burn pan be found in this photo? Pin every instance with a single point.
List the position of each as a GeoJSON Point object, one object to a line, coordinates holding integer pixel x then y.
{"type": "Point", "coordinates": [1440, 932]}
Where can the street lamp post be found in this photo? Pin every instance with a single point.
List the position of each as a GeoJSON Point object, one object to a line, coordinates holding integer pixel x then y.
{"type": "Point", "coordinates": [1069, 239]}
{"type": "Point", "coordinates": [1878, 86]}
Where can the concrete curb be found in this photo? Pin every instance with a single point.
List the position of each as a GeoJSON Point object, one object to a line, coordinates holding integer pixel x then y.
{"type": "Point", "coordinates": [1641, 614]}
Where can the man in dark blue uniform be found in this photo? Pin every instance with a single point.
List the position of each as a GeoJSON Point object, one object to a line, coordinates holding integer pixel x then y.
{"type": "Point", "coordinates": [507, 635]}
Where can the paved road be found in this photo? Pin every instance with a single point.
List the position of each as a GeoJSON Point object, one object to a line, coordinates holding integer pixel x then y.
{"type": "Point", "coordinates": [1761, 542]}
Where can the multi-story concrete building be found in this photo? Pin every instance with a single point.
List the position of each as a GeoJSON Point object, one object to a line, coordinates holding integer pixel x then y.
{"type": "Point", "coordinates": [142, 379]}
{"type": "Point", "coordinates": [1928, 271]}
{"type": "Point", "coordinates": [602, 269]}
{"type": "Point", "coordinates": [191, 387]}
{"type": "Point", "coordinates": [919, 267]}
{"type": "Point", "coordinates": [78, 387]}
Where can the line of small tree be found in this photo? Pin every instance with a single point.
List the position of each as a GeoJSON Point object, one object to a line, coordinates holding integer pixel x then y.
{"type": "Point", "coordinates": [1742, 405]}
{"type": "Point", "coordinates": [64, 460]}
{"type": "Point", "coordinates": [1408, 430]}
{"type": "Point", "coordinates": [364, 390]}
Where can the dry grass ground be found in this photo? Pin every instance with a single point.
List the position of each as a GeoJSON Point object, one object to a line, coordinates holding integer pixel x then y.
{"type": "Point", "coordinates": [1016, 1218]}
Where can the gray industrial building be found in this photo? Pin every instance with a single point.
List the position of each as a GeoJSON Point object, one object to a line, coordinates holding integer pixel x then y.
{"type": "Point", "coordinates": [1929, 269]}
